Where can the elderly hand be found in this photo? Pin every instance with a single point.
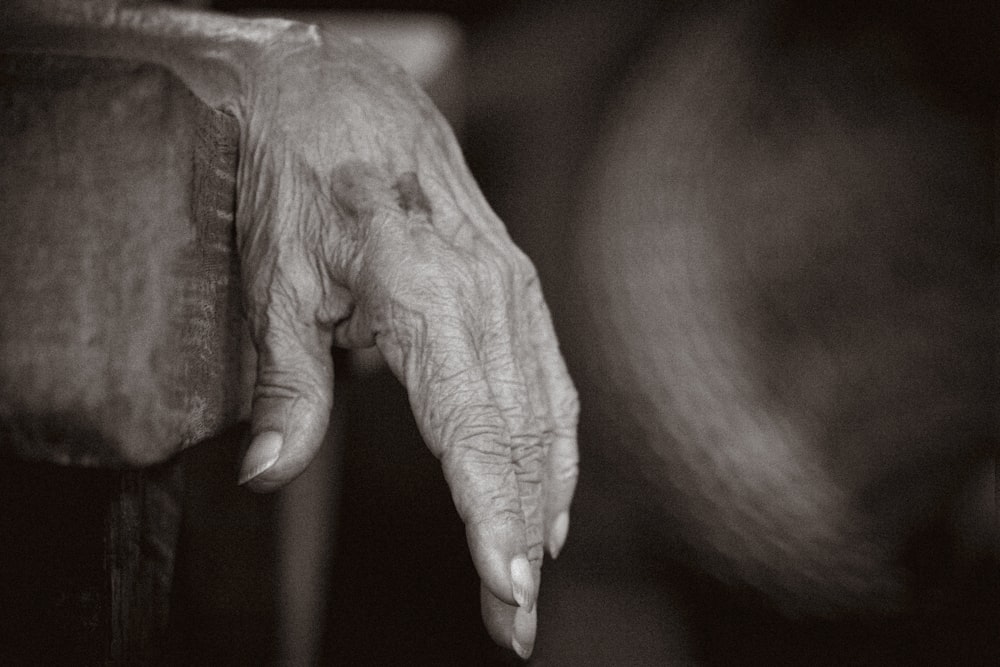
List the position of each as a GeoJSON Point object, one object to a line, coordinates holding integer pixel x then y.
{"type": "Point", "coordinates": [359, 224]}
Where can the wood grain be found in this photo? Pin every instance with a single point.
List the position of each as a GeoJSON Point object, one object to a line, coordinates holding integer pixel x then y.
{"type": "Point", "coordinates": [119, 307]}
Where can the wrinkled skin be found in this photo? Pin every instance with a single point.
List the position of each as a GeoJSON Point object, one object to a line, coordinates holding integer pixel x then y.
{"type": "Point", "coordinates": [371, 231]}
{"type": "Point", "coordinates": [359, 224]}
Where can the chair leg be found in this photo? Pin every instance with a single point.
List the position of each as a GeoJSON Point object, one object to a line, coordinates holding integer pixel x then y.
{"type": "Point", "coordinates": [143, 523]}
{"type": "Point", "coordinates": [86, 562]}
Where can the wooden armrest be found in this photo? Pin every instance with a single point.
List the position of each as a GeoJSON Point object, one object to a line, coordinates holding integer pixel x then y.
{"type": "Point", "coordinates": [120, 316]}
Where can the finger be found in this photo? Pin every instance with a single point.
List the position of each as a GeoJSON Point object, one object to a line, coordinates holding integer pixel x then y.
{"type": "Point", "coordinates": [562, 465]}
{"type": "Point", "coordinates": [459, 420]}
{"type": "Point", "coordinates": [507, 357]}
{"type": "Point", "coordinates": [510, 626]}
{"type": "Point", "coordinates": [292, 399]}
{"type": "Point", "coordinates": [510, 362]}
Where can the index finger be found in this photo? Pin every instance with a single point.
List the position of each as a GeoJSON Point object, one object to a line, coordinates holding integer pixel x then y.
{"type": "Point", "coordinates": [457, 414]}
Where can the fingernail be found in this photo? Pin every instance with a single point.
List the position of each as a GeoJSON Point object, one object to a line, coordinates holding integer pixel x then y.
{"type": "Point", "coordinates": [557, 538]}
{"type": "Point", "coordinates": [522, 583]}
{"type": "Point", "coordinates": [263, 454]}
{"type": "Point", "coordinates": [523, 637]}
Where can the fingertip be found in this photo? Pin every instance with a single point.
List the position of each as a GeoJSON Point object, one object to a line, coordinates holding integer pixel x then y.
{"type": "Point", "coordinates": [523, 636]}
{"type": "Point", "coordinates": [557, 534]}
{"type": "Point", "coordinates": [274, 459]}
{"type": "Point", "coordinates": [265, 484]}
{"type": "Point", "coordinates": [495, 543]}
{"type": "Point", "coordinates": [509, 626]}
{"type": "Point", "coordinates": [290, 428]}
{"type": "Point", "coordinates": [263, 453]}
{"type": "Point", "coordinates": [498, 616]}
{"type": "Point", "coordinates": [522, 652]}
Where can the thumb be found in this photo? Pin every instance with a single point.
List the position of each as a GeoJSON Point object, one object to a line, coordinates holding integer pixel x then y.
{"type": "Point", "coordinates": [292, 399]}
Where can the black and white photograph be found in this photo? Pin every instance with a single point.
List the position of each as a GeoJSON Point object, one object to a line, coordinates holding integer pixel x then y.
{"type": "Point", "coordinates": [565, 333]}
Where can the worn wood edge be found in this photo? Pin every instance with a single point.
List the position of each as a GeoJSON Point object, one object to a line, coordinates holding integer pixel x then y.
{"type": "Point", "coordinates": [204, 390]}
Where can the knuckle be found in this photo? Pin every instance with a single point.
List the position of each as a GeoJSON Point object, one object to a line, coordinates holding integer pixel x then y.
{"type": "Point", "coordinates": [286, 369]}
{"type": "Point", "coordinates": [475, 447]}
{"type": "Point", "coordinates": [358, 188]}
{"type": "Point", "coordinates": [492, 511]}
{"type": "Point", "coordinates": [527, 455]}
{"type": "Point", "coordinates": [524, 269]}
{"type": "Point", "coordinates": [479, 441]}
{"type": "Point", "coordinates": [461, 423]}
{"type": "Point", "coordinates": [514, 269]}
{"type": "Point", "coordinates": [568, 407]}
{"type": "Point", "coordinates": [285, 385]}
{"type": "Point", "coordinates": [429, 282]}
{"type": "Point", "coordinates": [446, 278]}
{"type": "Point", "coordinates": [496, 272]}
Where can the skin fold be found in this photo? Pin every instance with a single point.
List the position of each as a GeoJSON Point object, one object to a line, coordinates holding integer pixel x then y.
{"type": "Point", "coordinates": [359, 224]}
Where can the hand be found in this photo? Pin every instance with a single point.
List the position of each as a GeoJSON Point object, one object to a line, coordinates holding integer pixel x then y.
{"type": "Point", "coordinates": [359, 224]}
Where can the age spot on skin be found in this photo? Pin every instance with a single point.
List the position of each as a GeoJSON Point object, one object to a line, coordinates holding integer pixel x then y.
{"type": "Point", "coordinates": [411, 196]}
{"type": "Point", "coordinates": [357, 188]}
